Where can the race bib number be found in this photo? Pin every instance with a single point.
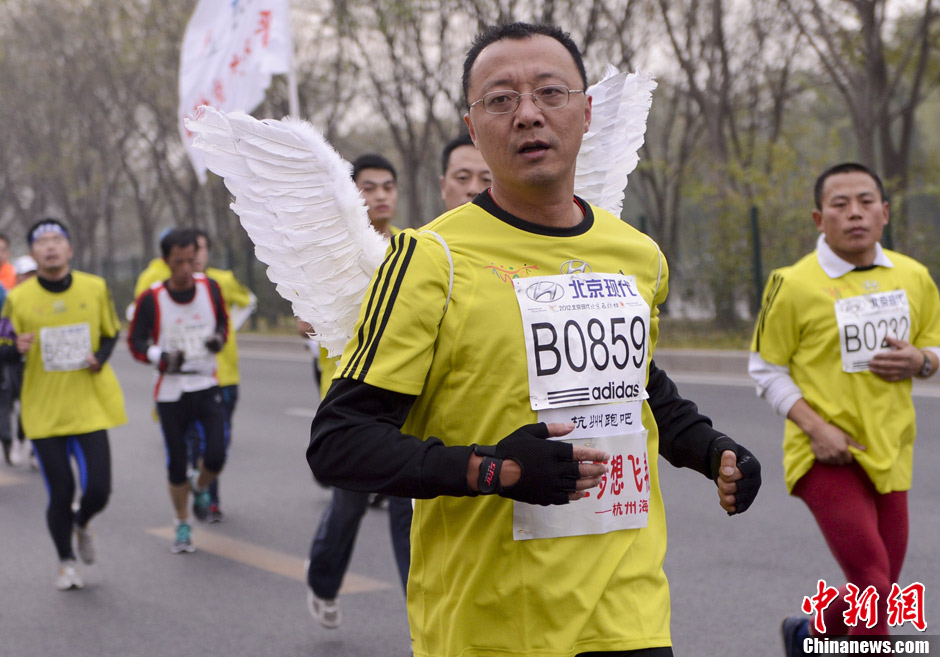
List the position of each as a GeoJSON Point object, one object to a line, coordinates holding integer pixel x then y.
{"type": "Point", "coordinates": [65, 348]}
{"type": "Point", "coordinates": [620, 502]}
{"type": "Point", "coordinates": [586, 338]}
{"type": "Point", "coordinates": [188, 338]}
{"type": "Point", "coordinates": [864, 323]}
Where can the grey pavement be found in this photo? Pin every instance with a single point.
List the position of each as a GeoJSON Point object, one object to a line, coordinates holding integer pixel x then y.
{"type": "Point", "coordinates": [242, 593]}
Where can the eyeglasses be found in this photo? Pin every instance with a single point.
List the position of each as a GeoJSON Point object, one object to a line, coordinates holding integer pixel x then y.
{"type": "Point", "coordinates": [504, 101]}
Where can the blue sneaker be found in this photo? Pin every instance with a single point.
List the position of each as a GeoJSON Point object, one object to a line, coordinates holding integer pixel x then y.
{"type": "Point", "coordinates": [794, 629]}
{"type": "Point", "coordinates": [201, 498]}
{"type": "Point", "coordinates": [184, 539]}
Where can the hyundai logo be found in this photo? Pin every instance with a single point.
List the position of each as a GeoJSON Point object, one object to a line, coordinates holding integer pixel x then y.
{"type": "Point", "coordinates": [575, 267]}
{"type": "Point", "coordinates": [545, 292]}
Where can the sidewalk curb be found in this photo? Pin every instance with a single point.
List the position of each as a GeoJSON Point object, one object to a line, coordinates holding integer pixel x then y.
{"type": "Point", "coordinates": [726, 364]}
{"type": "Point", "coordinates": [721, 361]}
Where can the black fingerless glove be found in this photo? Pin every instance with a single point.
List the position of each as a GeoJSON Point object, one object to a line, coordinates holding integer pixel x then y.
{"type": "Point", "coordinates": [749, 466]}
{"type": "Point", "coordinates": [548, 471]}
{"type": "Point", "coordinates": [214, 343]}
{"type": "Point", "coordinates": [171, 362]}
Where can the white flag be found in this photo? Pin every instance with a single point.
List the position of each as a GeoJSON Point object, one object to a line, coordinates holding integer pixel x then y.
{"type": "Point", "coordinates": [230, 51]}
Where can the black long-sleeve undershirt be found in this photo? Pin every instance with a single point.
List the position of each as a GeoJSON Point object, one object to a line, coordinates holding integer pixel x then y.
{"type": "Point", "coordinates": [145, 317]}
{"type": "Point", "coordinates": [356, 442]}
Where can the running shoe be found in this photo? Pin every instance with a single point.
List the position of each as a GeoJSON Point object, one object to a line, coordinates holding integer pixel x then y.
{"type": "Point", "coordinates": [794, 629]}
{"type": "Point", "coordinates": [69, 577]}
{"type": "Point", "coordinates": [201, 498]}
{"type": "Point", "coordinates": [85, 546]}
{"type": "Point", "coordinates": [19, 453]}
{"type": "Point", "coordinates": [215, 513]}
{"type": "Point", "coordinates": [184, 539]}
{"type": "Point", "coordinates": [378, 501]}
{"type": "Point", "coordinates": [325, 612]}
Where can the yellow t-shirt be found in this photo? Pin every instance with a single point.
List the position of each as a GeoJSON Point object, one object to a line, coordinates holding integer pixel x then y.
{"type": "Point", "coordinates": [157, 270]}
{"type": "Point", "coordinates": [233, 294]}
{"type": "Point", "coordinates": [472, 589]}
{"type": "Point", "coordinates": [798, 328]}
{"type": "Point", "coordinates": [327, 371]}
{"type": "Point", "coordinates": [59, 398]}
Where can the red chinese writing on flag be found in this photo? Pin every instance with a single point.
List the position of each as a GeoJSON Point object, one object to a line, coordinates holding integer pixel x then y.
{"type": "Point", "coordinates": [264, 27]}
{"type": "Point", "coordinates": [229, 53]}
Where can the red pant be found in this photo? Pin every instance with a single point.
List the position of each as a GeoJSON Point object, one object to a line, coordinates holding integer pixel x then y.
{"type": "Point", "coordinates": [866, 532]}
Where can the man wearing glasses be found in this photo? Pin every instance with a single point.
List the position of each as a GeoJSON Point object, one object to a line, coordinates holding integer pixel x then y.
{"type": "Point", "coordinates": [522, 316]}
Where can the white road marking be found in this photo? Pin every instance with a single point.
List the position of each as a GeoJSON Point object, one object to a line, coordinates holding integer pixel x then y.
{"type": "Point", "coordinates": [300, 412]}
{"type": "Point", "coordinates": [9, 479]}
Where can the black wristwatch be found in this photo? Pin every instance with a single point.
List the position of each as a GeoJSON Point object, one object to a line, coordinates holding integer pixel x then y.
{"type": "Point", "coordinates": [927, 367]}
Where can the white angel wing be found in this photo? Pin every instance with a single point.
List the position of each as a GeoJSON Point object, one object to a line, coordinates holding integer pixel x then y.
{"type": "Point", "coordinates": [609, 149]}
{"type": "Point", "coordinates": [296, 199]}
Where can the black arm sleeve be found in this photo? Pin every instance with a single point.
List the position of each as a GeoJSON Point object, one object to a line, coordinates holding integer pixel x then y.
{"type": "Point", "coordinates": [221, 314]}
{"type": "Point", "coordinates": [686, 437]}
{"type": "Point", "coordinates": [356, 443]}
{"type": "Point", "coordinates": [142, 325]}
{"type": "Point", "coordinates": [10, 354]}
{"type": "Point", "coordinates": [105, 348]}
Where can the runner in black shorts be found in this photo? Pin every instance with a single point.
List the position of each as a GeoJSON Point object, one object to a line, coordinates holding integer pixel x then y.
{"type": "Point", "coordinates": [179, 326]}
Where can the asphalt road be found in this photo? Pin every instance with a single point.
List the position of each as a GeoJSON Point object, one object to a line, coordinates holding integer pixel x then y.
{"type": "Point", "coordinates": [242, 594]}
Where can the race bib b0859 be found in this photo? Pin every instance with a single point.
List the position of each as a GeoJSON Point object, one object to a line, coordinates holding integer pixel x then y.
{"type": "Point", "coordinates": [587, 345]}
{"type": "Point", "coordinates": [586, 337]}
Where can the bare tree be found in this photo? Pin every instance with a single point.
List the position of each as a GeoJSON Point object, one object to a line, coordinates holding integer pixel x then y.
{"type": "Point", "coordinates": [404, 53]}
{"type": "Point", "coordinates": [736, 68]}
{"type": "Point", "coordinates": [880, 65]}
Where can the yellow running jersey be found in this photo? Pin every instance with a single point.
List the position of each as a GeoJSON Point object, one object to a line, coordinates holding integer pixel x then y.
{"type": "Point", "coordinates": [233, 294]}
{"type": "Point", "coordinates": [472, 589]}
{"type": "Point", "coordinates": [60, 397]}
{"type": "Point", "coordinates": [327, 364]}
{"type": "Point", "coordinates": [798, 327]}
{"type": "Point", "coordinates": [157, 270]}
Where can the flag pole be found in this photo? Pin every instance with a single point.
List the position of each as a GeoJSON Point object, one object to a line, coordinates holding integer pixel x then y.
{"type": "Point", "coordinates": [293, 99]}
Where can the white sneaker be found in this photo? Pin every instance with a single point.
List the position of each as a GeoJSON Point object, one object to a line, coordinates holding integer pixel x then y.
{"type": "Point", "coordinates": [326, 612]}
{"type": "Point", "coordinates": [19, 453]}
{"type": "Point", "coordinates": [69, 577]}
{"type": "Point", "coordinates": [85, 546]}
